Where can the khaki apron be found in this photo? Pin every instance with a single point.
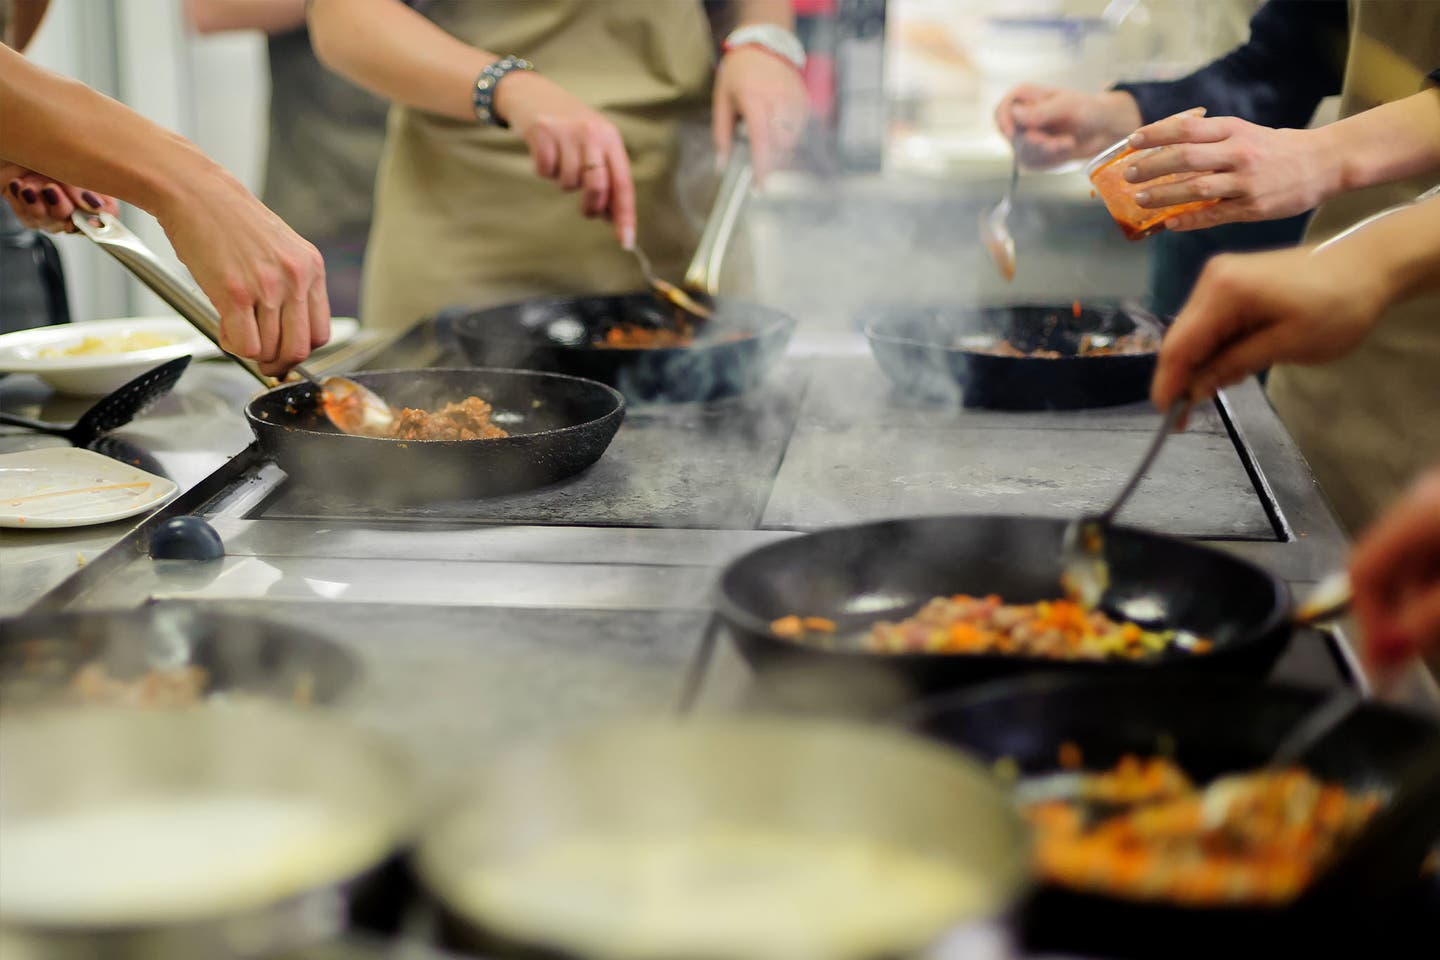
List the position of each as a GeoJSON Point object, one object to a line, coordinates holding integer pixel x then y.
{"type": "Point", "coordinates": [461, 217]}
{"type": "Point", "coordinates": [1369, 422]}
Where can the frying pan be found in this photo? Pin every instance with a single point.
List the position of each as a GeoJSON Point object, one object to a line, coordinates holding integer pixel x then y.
{"type": "Point", "coordinates": [824, 782]}
{"type": "Point", "coordinates": [558, 426]}
{"type": "Point", "coordinates": [40, 655]}
{"type": "Point", "coordinates": [933, 351]}
{"type": "Point", "coordinates": [731, 352]}
{"type": "Point", "coordinates": [264, 760]}
{"type": "Point", "coordinates": [886, 570]}
{"type": "Point", "coordinates": [1217, 727]}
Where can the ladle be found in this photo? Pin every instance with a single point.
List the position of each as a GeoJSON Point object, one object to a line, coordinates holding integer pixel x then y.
{"type": "Point", "coordinates": [351, 407]}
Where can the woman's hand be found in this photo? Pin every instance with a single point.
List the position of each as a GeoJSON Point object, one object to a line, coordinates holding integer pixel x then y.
{"type": "Point", "coordinates": [267, 283]}
{"type": "Point", "coordinates": [1250, 311]}
{"type": "Point", "coordinates": [1257, 173]}
{"type": "Point", "coordinates": [1395, 574]}
{"type": "Point", "coordinates": [1060, 125]}
{"type": "Point", "coordinates": [44, 204]}
{"type": "Point", "coordinates": [767, 93]}
{"type": "Point", "coordinates": [572, 144]}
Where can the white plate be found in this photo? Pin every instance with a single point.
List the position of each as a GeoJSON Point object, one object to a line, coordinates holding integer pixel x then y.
{"type": "Point", "coordinates": [97, 374]}
{"type": "Point", "coordinates": [70, 487]}
{"type": "Point", "coordinates": [94, 375]}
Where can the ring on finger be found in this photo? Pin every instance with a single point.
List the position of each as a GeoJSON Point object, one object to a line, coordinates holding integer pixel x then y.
{"type": "Point", "coordinates": [594, 165]}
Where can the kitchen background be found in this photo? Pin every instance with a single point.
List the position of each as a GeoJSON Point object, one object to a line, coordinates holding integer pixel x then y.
{"type": "Point", "coordinates": [903, 90]}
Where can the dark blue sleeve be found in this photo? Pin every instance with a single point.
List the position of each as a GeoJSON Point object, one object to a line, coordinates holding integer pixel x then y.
{"type": "Point", "coordinates": [1295, 58]}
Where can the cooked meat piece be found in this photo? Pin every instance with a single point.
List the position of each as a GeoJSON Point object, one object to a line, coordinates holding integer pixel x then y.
{"type": "Point", "coordinates": [467, 420]}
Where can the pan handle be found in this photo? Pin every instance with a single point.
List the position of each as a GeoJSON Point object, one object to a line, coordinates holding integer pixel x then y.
{"type": "Point", "coordinates": [116, 239]}
{"type": "Point", "coordinates": [703, 274]}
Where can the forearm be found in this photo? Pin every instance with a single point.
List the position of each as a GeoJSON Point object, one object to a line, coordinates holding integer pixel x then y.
{"type": "Point", "coordinates": [271, 16]}
{"type": "Point", "coordinates": [1401, 250]}
{"type": "Point", "coordinates": [25, 17]}
{"type": "Point", "coordinates": [1393, 141]}
{"type": "Point", "coordinates": [394, 52]}
{"type": "Point", "coordinates": [70, 132]}
{"type": "Point", "coordinates": [778, 12]}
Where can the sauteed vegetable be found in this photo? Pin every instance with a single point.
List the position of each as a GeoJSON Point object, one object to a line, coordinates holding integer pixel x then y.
{"type": "Point", "coordinates": [632, 336]}
{"type": "Point", "coordinates": [1053, 629]}
{"type": "Point", "coordinates": [1143, 830]}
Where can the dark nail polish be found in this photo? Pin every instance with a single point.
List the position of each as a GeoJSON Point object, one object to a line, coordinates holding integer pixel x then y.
{"type": "Point", "coordinates": [14, 188]}
{"type": "Point", "coordinates": [28, 195]}
{"type": "Point", "coordinates": [51, 195]}
{"type": "Point", "coordinates": [91, 201]}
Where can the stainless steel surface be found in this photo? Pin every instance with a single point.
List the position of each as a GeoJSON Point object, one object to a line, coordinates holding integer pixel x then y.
{"type": "Point", "coordinates": [66, 762]}
{"type": "Point", "coordinates": [821, 780]}
{"type": "Point", "coordinates": [703, 274]}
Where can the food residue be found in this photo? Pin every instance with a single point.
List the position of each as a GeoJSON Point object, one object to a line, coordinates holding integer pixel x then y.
{"type": "Point", "coordinates": [1255, 838]}
{"type": "Point", "coordinates": [174, 687]}
{"type": "Point", "coordinates": [1130, 343]}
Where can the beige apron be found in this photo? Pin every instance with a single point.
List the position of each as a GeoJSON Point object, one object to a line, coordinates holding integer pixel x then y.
{"type": "Point", "coordinates": [1371, 420]}
{"type": "Point", "coordinates": [462, 218]}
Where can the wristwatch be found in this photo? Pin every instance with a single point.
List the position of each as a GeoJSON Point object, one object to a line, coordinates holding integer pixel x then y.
{"type": "Point", "coordinates": [768, 36]}
{"type": "Point", "coordinates": [485, 84]}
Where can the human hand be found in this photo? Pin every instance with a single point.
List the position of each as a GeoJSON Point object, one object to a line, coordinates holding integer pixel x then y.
{"type": "Point", "coordinates": [45, 204]}
{"type": "Point", "coordinates": [756, 86]}
{"type": "Point", "coordinates": [1249, 311]}
{"type": "Point", "coordinates": [1060, 125]}
{"type": "Point", "coordinates": [266, 282]}
{"type": "Point", "coordinates": [1257, 173]}
{"type": "Point", "coordinates": [572, 144]}
{"type": "Point", "coordinates": [1395, 576]}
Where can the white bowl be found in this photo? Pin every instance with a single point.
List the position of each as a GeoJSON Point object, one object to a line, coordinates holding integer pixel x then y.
{"type": "Point", "coordinates": [97, 374]}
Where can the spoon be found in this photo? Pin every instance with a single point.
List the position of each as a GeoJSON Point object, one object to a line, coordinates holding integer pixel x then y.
{"type": "Point", "coordinates": [995, 225]}
{"type": "Point", "coordinates": [1085, 574]}
{"type": "Point", "coordinates": [667, 291]}
{"type": "Point", "coordinates": [351, 407]}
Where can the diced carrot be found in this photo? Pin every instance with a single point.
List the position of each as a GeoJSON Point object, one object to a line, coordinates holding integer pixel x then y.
{"type": "Point", "coordinates": [1075, 308]}
{"type": "Point", "coordinates": [818, 624]}
{"type": "Point", "coordinates": [1131, 633]}
{"type": "Point", "coordinates": [789, 627]}
{"type": "Point", "coordinates": [1070, 756]}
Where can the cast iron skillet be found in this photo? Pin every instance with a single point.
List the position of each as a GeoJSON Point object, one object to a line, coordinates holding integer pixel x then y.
{"type": "Point", "coordinates": [558, 426]}
{"type": "Point", "coordinates": [1217, 727]}
{"type": "Point", "coordinates": [40, 655]}
{"type": "Point", "coordinates": [886, 570]}
{"type": "Point", "coordinates": [730, 355]}
{"type": "Point", "coordinates": [932, 352]}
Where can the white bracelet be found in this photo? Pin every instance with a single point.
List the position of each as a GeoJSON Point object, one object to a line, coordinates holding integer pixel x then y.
{"type": "Point", "coordinates": [777, 40]}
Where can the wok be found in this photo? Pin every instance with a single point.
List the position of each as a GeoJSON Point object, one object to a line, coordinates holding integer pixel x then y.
{"type": "Point", "coordinates": [731, 352]}
{"type": "Point", "coordinates": [807, 781]}
{"type": "Point", "coordinates": [936, 352]}
{"type": "Point", "coordinates": [558, 426]}
{"type": "Point", "coordinates": [1217, 727]}
{"type": "Point", "coordinates": [166, 800]}
{"type": "Point", "coordinates": [40, 655]}
{"type": "Point", "coordinates": [857, 575]}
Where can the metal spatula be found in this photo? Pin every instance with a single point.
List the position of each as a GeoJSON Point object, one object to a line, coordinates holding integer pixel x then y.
{"type": "Point", "coordinates": [112, 411]}
{"type": "Point", "coordinates": [351, 407]}
{"type": "Point", "coordinates": [1085, 574]}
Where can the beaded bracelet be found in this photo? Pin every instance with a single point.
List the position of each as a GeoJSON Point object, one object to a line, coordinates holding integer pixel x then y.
{"type": "Point", "coordinates": [486, 83]}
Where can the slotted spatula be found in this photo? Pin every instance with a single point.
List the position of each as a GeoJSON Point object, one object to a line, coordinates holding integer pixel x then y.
{"type": "Point", "coordinates": [113, 410]}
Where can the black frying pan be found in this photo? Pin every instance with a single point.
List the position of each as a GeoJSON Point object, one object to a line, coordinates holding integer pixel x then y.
{"type": "Point", "coordinates": [558, 426]}
{"type": "Point", "coordinates": [937, 352]}
{"type": "Point", "coordinates": [730, 354]}
{"type": "Point", "coordinates": [1216, 727]}
{"type": "Point", "coordinates": [886, 570]}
